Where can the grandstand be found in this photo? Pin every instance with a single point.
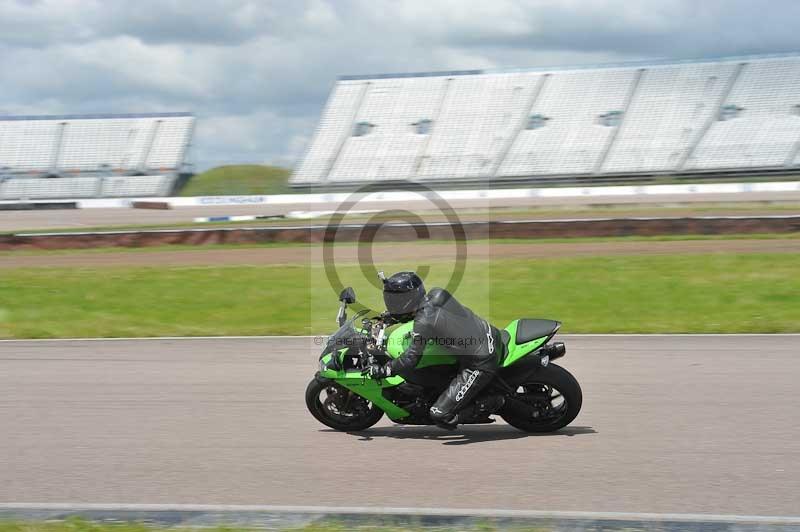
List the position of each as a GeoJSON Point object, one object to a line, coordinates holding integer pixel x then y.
{"type": "Point", "coordinates": [723, 116]}
{"type": "Point", "coordinates": [87, 156]}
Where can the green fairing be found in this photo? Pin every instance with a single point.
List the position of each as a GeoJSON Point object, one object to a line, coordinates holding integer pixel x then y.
{"type": "Point", "coordinates": [372, 391]}
{"type": "Point", "coordinates": [515, 352]}
{"type": "Point", "coordinates": [369, 389]}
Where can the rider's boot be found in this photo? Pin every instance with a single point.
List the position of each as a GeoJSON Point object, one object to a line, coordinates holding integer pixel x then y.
{"type": "Point", "coordinates": [462, 390]}
{"type": "Point", "coordinates": [477, 412]}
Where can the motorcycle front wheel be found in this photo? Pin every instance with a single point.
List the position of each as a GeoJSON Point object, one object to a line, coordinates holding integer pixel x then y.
{"type": "Point", "coordinates": [337, 407]}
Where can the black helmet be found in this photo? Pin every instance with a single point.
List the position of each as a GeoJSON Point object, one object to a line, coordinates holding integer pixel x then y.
{"type": "Point", "coordinates": [403, 294]}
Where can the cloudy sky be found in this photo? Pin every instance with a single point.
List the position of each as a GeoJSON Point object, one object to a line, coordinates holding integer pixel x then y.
{"type": "Point", "coordinates": [257, 73]}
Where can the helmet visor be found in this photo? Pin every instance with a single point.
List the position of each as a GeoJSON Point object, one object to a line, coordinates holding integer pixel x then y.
{"type": "Point", "coordinates": [399, 303]}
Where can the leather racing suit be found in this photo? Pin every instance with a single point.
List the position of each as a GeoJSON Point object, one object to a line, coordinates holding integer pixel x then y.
{"type": "Point", "coordinates": [442, 319]}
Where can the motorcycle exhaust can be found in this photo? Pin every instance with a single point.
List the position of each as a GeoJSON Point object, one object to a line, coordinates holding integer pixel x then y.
{"type": "Point", "coordinates": [553, 351]}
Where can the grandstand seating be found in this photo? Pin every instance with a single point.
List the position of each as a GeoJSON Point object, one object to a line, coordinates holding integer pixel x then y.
{"type": "Point", "coordinates": [25, 188]}
{"type": "Point", "coordinates": [764, 130]}
{"type": "Point", "coordinates": [75, 156]}
{"type": "Point", "coordinates": [334, 127]}
{"type": "Point", "coordinates": [39, 188]}
{"type": "Point", "coordinates": [573, 137]}
{"type": "Point", "coordinates": [703, 116]}
{"type": "Point", "coordinates": [475, 123]}
{"type": "Point", "coordinates": [671, 106]}
{"type": "Point", "coordinates": [390, 147]}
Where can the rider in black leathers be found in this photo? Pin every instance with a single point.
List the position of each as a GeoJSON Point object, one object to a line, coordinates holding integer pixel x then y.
{"type": "Point", "coordinates": [439, 317]}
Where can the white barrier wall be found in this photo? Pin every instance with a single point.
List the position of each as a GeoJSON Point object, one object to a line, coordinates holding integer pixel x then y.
{"type": "Point", "coordinates": [333, 200]}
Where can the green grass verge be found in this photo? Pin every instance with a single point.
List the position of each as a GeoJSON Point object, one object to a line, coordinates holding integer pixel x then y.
{"type": "Point", "coordinates": [715, 293]}
{"type": "Point", "coordinates": [237, 180]}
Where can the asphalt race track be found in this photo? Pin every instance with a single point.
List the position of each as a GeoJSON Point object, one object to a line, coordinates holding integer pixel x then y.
{"type": "Point", "coordinates": [670, 424]}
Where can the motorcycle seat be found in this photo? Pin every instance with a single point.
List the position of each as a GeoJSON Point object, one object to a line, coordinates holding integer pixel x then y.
{"type": "Point", "coordinates": [529, 329]}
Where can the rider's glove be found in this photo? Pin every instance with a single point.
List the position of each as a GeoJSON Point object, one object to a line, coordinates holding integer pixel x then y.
{"type": "Point", "coordinates": [378, 372]}
{"type": "Point", "coordinates": [387, 318]}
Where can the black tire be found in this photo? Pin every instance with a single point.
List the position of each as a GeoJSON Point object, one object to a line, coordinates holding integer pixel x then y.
{"type": "Point", "coordinates": [361, 415]}
{"type": "Point", "coordinates": [559, 379]}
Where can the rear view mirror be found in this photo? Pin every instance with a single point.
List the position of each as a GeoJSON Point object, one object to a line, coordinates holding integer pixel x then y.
{"type": "Point", "coordinates": [348, 296]}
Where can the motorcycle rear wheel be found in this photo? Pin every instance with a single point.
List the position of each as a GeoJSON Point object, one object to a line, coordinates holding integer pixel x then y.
{"type": "Point", "coordinates": [553, 396]}
{"type": "Point", "coordinates": [340, 409]}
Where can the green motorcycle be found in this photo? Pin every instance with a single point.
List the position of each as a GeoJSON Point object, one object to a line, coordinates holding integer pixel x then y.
{"type": "Point", "coordinates": [537, 395]}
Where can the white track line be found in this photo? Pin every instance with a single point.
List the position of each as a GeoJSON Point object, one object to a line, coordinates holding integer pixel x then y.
{"type": "Point", "coordinates": [455, 512]}
{"type": "Point", "coordinates": [300, 337]}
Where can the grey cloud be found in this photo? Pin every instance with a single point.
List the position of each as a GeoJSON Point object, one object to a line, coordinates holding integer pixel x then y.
{"type": "Point", "coordinates": [226, 22]}
{"type": "Point", "coordinates": [678, 28]}
{"type": "Point", "coordinates": [257, 73]}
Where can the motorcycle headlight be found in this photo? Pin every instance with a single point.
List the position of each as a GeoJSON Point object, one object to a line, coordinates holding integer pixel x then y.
{"type": "Point", "coordinates": [322, 365]}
